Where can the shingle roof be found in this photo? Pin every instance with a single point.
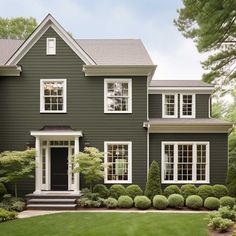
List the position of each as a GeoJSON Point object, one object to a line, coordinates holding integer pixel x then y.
{"type": "Point", "coordinates": [179, 83]}
{"type": "Point", "coordinates": [102, 51]}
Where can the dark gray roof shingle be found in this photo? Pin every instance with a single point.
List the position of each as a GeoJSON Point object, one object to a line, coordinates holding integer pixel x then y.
{"type": "Point", "coordinates": [179, 83]}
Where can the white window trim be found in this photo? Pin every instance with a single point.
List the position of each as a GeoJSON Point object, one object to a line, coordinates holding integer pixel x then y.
{"type": "Point", "coordinates": [42, 107]}
{"type": "Point", "coordinates": [127, 80]}
{"type": "Point", "coordinates": [193, 105]}
{"type": "Point", "coordinates": [47, 46]}
{"type": "Point", "coordinates": [129, 181]}
{"type": "Point", "coordinates": [176, 181]}
{"type": "Point", "coordinates": [163, 106]}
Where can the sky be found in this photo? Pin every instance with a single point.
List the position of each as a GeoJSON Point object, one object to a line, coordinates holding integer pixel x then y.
{"type": "Point", "coordinates": [150, 20]}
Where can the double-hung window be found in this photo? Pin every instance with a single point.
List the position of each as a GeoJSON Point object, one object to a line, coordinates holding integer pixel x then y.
{"type": "Point", "coordinates": [169, 105]}
{"type": "Point", "coordinates": [187, 105]}
{"type": "Point", "coordinates": [53, 95]}
{"type": "Point", "coordinates": [185, 162]}
{"type": "Point", "coordinates": [51, 46]}
{"type": "Point", "coordinates": [118, 162]}
{"type": "Point", "coordinates": [118, 95]}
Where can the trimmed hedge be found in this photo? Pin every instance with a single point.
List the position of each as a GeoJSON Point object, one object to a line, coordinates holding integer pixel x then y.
{"type": "Point", "coordinates": [227, 201]}
{"type": "Point", "coordinates": [188, 190]}
{"type": "Point", "coordinates": [220, 190]}
{"type": "Point", "coordinates": [171, 189]}
{"type": "Point", "coordinates": [134, 190]}
{"type": "Point", "coordinates": [160, 202]}
{"type": "Point", "coordinates": [111, 202]}
{"type": "Point", "coordinates": [205, 191]}
{"type": "Point", "coordinates": [117, 190]}
{"type": "Point", "coordinates": [102, 190]}
{"type": "Point", "coordinates": [142, 202]}
{"type": "Point", "coordinates": [176, 200]}
{"type": "Point", "coordinates": [212, 203]}
{"type": "Point", "coordinates": [125, 202]}
{"type": "Point", "coordinates": [194, 202]}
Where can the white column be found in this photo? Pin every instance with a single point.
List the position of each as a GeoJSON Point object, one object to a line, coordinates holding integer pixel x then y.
{"type": "Point", "coordinates": [37, 167]}
{"type": "Point", "coordinates": [76, 175]}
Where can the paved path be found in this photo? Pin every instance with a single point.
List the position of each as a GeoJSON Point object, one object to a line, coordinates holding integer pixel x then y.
{"type": "Point", "coordinates": [31, 213]}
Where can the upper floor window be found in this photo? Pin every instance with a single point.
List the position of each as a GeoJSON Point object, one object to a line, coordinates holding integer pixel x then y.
{"type": "Point", "coordinates": [187, 105]}
{"type": "Point", "coordinates": [170, 105]}
{"type": "Point", "coordinates": [53, 95]}
{"type": "Point", "coordinates": [118, 95]}
{"type": "Point", "coordinates": [51, 46]}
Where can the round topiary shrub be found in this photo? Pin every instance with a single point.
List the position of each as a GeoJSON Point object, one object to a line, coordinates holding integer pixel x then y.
{"type": "Point", "coordinates": [212, 203]}
{"type": "Point", "coordinates": [176, 200]}
{"type": "Point", "coordinates": [134, 190]}
{"type": "Point", "coordinates": [111, 202]}
{"type": "Point", "coordinates": [3, 190]}
{"type": "Point", "coordinates": [117, 190]}
{"type": "Point", "coordinates": [220, 190]}
{"type": "Point", "coordinates": [102, 190]}
{"type": "Point", "coordinates": [160, 202]}
{"type": "Point", "coordinates": [194, 202]}
{"type": "Point", "coordinates": [205, 191]}
{"type": "Point", "coordinates": [227, 201]}
{"type": "Point", "coordinates": [125, 202]}
{"type": "Point", "coordinates": [188, 190]}
{"type": "Point", "coordinates": [171, 189]}
{"type": "Point", "coordinates": [142, 202]}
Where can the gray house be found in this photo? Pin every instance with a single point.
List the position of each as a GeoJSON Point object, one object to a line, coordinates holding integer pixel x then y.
{"type": "Point", "coordinates": [60, 94]}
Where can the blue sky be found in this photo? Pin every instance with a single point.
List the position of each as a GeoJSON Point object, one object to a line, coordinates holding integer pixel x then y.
{"type": "Point", "coordinates": [149, 20]}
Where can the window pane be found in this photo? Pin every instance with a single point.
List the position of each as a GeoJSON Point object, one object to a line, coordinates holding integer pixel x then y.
{"type": "Point", "coordinates": [169, 162]}
{"type": "Point", "coordinates": [169, 105]}
{"type": "Point", "coordinates": [201, 162]}
{"type": "Point", "coordinates": [187, 105]}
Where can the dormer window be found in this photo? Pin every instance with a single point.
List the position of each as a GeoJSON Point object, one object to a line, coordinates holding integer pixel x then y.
{"type": "Point", "coordinates": [187, 105]}
{"type": "Point", "coordinates": [51, 46]}
{"type": "Point", "coordinates": [170, 105]}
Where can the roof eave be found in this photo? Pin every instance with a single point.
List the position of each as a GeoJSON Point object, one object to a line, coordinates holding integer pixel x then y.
{"type": "Point", "coordinates": [12, 70]}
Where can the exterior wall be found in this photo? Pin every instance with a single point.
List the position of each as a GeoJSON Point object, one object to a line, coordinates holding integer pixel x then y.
{"type": "Point", "coordinates": [202, 105]}
{"type": "Point", "coordinates": [20, 106]}
{"type": "Point", "coordinates": [218, 151]}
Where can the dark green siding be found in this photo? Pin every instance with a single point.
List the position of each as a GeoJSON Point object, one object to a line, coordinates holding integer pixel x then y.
{"type": "Point", "coordinates": [20, 105]}
{"type": "Point", "coordinates": [202, 105]}
{"type": "Point", "coordinates": [218, 151]}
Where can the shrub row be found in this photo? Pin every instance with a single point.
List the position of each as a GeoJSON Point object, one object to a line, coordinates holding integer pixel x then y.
{"type": "Point", "coordinates": [7, 215]}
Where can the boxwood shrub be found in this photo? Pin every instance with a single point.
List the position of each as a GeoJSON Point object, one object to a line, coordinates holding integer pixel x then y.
{"type": "Point", "coordinates": [117, 190]}
{"type": "Point", "coordinates": [212, 203]}
{"type": "Point", "coordinates": [160, 202]}
{"type": "Point", "coordinates": [134, 190]}
{"type": "Point", "coordinates": [142, 202]}
{"type": "Point", "coordinates": [102, 190]}
{"type": "Point", "coordinates": [7, 215]}
{"type": "Point", "coordinates": [111, 203]}
{"type": "Point", "coordinates": [125, 202]}
{"type": "Point", "coordinates": [171, 189]}
{"type": "Point", "coordinates": [188, 190]}
{"type": "Point", "coordinates": [176, 200]}
{"type": "Point", "coordinates": [227, 201]}
{"type": "Point", "coordinates": [220, 190]}
{"type": "Point", "coordinates": [205, 191]}
{"type": "Point", "coordinates": [194, 202]}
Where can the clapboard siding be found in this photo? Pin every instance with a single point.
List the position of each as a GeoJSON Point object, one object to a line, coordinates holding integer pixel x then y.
{"type": "Point", "coordinates": [202, 105]}
{"type": "Point", "coordinates": [218, 151]}
{"type": "Point", "coordinates": [20, 105]}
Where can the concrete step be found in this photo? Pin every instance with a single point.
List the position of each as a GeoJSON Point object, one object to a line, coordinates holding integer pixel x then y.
{"type": "Point", "coordinates": [51, 206]}
{"type": "Point", "coordinates": [51, 200]}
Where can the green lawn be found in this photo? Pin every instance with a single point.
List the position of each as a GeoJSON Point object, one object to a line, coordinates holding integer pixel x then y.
{"type": "Point", "coordinates": [110, 224]}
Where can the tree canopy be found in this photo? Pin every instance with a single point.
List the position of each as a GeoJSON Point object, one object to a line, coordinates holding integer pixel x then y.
{"type": "Point", "coordinates": [16, 28]}
{"type": "Point", "coordinates": [212, 26]}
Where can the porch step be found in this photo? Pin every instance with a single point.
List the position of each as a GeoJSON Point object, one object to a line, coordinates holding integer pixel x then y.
{"type": "Point", "coordinates": [51, 206]}
{"type": "Point", "coordinates": [51, 200]}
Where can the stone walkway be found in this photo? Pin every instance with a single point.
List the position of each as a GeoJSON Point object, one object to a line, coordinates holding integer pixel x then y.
{"type": "Point", "coordinates": [31, 213]}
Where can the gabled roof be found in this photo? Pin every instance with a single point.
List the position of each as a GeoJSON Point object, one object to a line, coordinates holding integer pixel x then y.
{"type": "Point", "coordinates": [179, 83]}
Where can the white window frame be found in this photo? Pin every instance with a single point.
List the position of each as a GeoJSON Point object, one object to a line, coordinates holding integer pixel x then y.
{"type": "Point", "coordinates": [194, 174]}
{"type": "Point", "coordinates": [176, 105]}
{"type": "Point", "coordinates": [193, 105]}
{"type": "Point", "coordinates": [42, 101]}
{"type": "Point", "coordinates": [126, 80]}
{"type": "Point", "coordinates": [47, 46]}
{"type": "Point", "coordinates": [129, 181]}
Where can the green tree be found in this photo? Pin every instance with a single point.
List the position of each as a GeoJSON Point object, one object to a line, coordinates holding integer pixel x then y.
{"type": "Point", "coordinates": [231, 180]}
{"type": "Point", "coordinates": [16, 165]}
{"type": "Point", "coordinates": [153, 185]}
{"type": "Point", "coordinates": [212, 26]}
{"type": "Point", "coordinates": [17, 28]}
{"type": "Point", "coordinates": [90, 164]}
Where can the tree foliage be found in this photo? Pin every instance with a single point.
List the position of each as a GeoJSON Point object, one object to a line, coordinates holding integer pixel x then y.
{"type": "Point", "coordinates": [212, 26]}
{"type": "Point", "coordinates": [17, 28]}
{"type": "Point", "coordinates": [231, 180]}
{"type": "Point", "coordinates": [16, 165]}
{"type": "Point", "coordinates": [90, 164]}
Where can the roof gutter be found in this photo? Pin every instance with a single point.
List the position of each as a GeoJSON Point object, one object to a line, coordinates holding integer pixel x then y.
{"type": "Point", "coordinates": [11, 70]}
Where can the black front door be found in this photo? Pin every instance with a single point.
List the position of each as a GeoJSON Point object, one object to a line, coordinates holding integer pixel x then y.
{"type": "Point", "coordinates": [59, 169]}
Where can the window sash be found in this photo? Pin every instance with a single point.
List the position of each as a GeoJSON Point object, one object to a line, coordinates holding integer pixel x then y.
{"type": "Point", "coordinates": [186, 105]}
{"type": "Point", "coordinates": [51, 46]}
{"type": "Point", "coordinates": [165, 104]}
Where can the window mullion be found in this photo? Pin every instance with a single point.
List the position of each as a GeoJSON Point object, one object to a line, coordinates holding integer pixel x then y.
{"type": "Point", "coordinates": [175, 162]}
{"type": "Point", "coordinates": [194, 168]}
